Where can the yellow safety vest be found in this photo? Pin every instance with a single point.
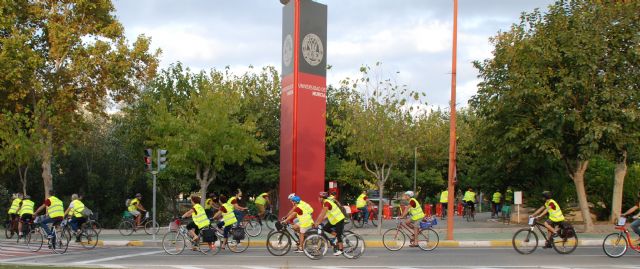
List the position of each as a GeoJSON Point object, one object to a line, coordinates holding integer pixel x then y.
{"type": "Point", "coordinates": [200, 217]}
{"type": "Point", "coordinates": [555, 215]}
{"type": "Point", "coordinates": [15, 205]}
{"type": "Point", "coordinates": [416, 212]}
{"type": "Point", "coordinates": [208, 203]}
{"type": "Point", "coordinates": [509, 196]}
{"type": "Point", "coordinates": [26, 208]}
{"type": "Point", "coordinates": [231, 200]}
{"type": "Point", "coordinates": [361, 202]}
{"type": "Point", "coordinates": [444, 197]}
{"type": "Point", "coordinates": [132, 204]}
{"type": "Point", "coordinates": [469, 196]}
{"type": "Point", "coordinates": [78, 207]}
{"type": "Point", "coordinates": [496, 197]}
{"type": "Point", "coordinates": [56, 209]}
{"type": "Point", "coordinates": [335, 214]}
{"type": "Point", "coordinates": [228, 218]}
{"type": "Point", "coordinates": [305, 219]}
{"type": "Point", "coordinates": [260, 199]}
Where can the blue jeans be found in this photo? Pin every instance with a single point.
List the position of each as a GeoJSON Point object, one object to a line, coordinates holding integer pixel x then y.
{"type": "Point", "coordinates": [76, 222]}
{"type": "Point", "coordinates": [635, 226]}
{"type": "Point", "coordinates": [46, 221]}
{"type": "Point", "coordinates": [239, 215]}
{"type": "Point", "coordinates": [365, 213]}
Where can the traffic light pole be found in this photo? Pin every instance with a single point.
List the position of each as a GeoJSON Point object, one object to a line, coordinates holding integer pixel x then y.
{"type": "Point", "coordinates": [153, 209]}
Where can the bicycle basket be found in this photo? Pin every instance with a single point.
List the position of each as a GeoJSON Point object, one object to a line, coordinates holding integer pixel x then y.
{"type": "Point", "coordinates": [174, 225]}
{"type": "Point", "coordinates": [532, 221]}
{"type": "Point", "coordinates": [208, 235]}
{"type": "Point", "coordinates": [279, 226]}
{"type": "Point", "coordinates": [428, 223]}
{"type": "Point", "coordinates": [238, 233]}
{"type": "Point", "coordinates": [127, 215]}
{"type": "Point", "coordinates": [621, 221]}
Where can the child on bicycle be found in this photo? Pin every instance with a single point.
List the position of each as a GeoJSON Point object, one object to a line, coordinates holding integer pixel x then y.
{"type": "Point", "coordinates": [199, 220]}
{"type": "Point", "coordinates": [555, 215]}
{"type": "Point", "coordinates": [228, 218]}
{"type": "Point", "coordinates": [416, 216]}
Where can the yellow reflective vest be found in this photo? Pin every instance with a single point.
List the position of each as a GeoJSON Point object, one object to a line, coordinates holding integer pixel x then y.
{"type": "Point", "coordinates": [555, 215]}
{"type": "Point", "coordinates": [260, 199]}
{"type": "Point", "coordinates": [335, 214]}
{"type": "Point", "coordinates": [444, 197]}
{"type": "Point", "coordinates": [416, 212]}
{"type": "Point", "coordinates": [132, 204]}
{"type": "Point", "coordinates": [305, 219]}
{"type": "Point", "coordinates": [26, 208]}
{"type": "Point", "coordinates": [469, 196]}
{"type": "Point", "coordinates": [229, 218]}
{"type": "Point", "coordinates": [497, 196]}
{"type": "Point", "coordinates": [200, 217]}
{"type": "Point", "coordinates": [78, 207]}
{"type": "Point", "coordinates": [361, 202]}
{"type": "Point", "coordinates": [208, 203]}
{"type": "Point", "coordinates": [56, 209]}
{"type": "Point", "coordinates": [15, 205]}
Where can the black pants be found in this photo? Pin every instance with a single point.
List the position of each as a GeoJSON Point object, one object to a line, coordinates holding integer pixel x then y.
{"type": "Point", "coordinates": [444, 209]}
{"type": "Point", "coordinates": [192, 226]}
{"type": "Point", "coordinates": [338, 228]}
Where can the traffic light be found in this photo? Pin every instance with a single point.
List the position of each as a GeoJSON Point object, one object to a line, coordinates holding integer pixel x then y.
{"type": "Point", "coordinates": [162, 159]}
{"type": "Point", "coordinates": [147, 160]}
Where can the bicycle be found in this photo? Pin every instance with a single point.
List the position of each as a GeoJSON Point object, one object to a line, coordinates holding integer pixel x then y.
{"type": "Point", "coordinates": [506, 214]}
{"type": "Point", "coordinates": [525, 240]}
{"type": "Point", "coordinates": [58, 243]}
{"type": "Point", "coordinates": [238, 243]}
{"type": "Point", "coordinates": [280, 240]}
{"type": "Point", "coordinates": [615, 245]}
{"type": "Point", "coordinates": [469, 215]}
{"type": "Point", "coordinates": [394, 239]}
{"type": "Point", "coordinates": [317, 243]}
{"type": "Point", "coordinates": [28, 232]}
{"type": "Point", "coordinates": [11, 227]}
{"type": "Point", "coordinates": [357, 218]}
{"type": "Point", "coordinates": [85, 235]}
{"type": "Point", "coordinates": [175, 240]}
{"type": "Point", "coordinates": [93, 222]}
{"type": "Point", "coordinates": [128, 224]}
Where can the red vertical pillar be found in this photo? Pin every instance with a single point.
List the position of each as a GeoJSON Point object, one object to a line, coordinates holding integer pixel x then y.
{"type": "Point", "coordinates": [303, 102]}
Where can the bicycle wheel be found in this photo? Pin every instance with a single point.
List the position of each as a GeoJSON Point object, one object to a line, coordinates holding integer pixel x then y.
{"type": "Point", "coordinates": [354, 245]}
{"type": "Point", "coordinates": [270, 220]}
{"type": "Point", "coordinates": [358, 220]}
{"type": "Point", "coordinates": [252, 227]}
{"type": "Point", "coordinates": [60, 242]}
{"type": "Point", "coordinates": [615, 245]}
{"type": "Point", "coordinates": [348, 224]}
{"type": "Point", "coordinates": [393, 239]}
{"type": "Point", "coordinates": [428, 239]}
{"type": "Point", "coordinates": [173, 243]}
{"type": "Point", "coordinates": [88, 238]}
{"type": "Point", "coordinates": [34, 240]}
{"type": "Point", "coordinates": [209, 247]}
{"type": "Point", "coordinates": [96, 226]}
{"type": "Point", "coordinates": [315, 246]}
{"type": "Point", "coordinates": [278, 243]}
{"type": "Point", "coordinates": [125, 228]}
{"type": "Point", "coordinates": [565, 245]}
{"type": "Point", "coordinates": [8, 229]}
{"type": "Point", "coordinates": [525, 241]}
{"type": "Point", "coordinates": [373, 220]}
{"type": "Point", "coordinates": [239, 246]}
{"type": "Point", "coordinates": [151, 227]}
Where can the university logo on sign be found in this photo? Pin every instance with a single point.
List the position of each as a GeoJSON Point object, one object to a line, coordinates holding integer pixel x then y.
{"type": "Point", "coordinates": [287, 50]}
{"type": "Point", "coordinates": [312, 49]}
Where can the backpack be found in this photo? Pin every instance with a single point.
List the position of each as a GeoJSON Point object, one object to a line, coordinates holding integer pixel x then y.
{"type": "Point", "coordinates": [127, 203]}
{"type": "Point", "coordinates": [208, 235]}
{"type": "Point", "coordinates": [86, 212]}
{"type": "Point", "coordinates": [566, 230]}
{"type": "Point", "coordinates": [238, 233]}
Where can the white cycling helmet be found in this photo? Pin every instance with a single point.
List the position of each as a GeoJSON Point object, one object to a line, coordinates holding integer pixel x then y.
{"type": "Point", "coordinates": [291, 196]}
{"type": "Point", "coordinates": [409, 193]}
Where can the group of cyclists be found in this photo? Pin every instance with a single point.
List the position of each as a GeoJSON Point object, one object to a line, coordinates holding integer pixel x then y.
{"type": "Point", "coordinates": [22, 212]}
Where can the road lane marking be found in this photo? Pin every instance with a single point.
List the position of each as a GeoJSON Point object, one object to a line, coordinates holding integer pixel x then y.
{"type": "Point", "coordinates": [258, 267]}
{"type": "Point", "coordinates": [187, 267]}
{"type": "Point", "coordinates": [112, 266]}
{"type": "Point", "coordinates": [119, 257]}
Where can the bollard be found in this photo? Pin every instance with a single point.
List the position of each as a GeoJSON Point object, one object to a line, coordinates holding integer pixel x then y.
{"type": "Point", "coordinates": [439, 209]}
{"type": "Point", "coordinates": [460, 208]}
{"type": "Point", "coordinates": [386, 212]}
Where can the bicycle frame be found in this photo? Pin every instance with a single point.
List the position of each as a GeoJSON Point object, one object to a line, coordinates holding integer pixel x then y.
{"type": "Point", "coordinates": [625, 231]}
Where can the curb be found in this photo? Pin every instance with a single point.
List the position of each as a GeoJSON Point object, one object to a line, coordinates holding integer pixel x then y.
{"type": "Point", "coordinates": [369, 243]}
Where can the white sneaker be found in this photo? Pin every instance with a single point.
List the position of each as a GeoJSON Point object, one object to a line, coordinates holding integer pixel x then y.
{"type": "Point", "coordinates": [298, 251]}
{"type": "Point", "coordinates": [337, 253]}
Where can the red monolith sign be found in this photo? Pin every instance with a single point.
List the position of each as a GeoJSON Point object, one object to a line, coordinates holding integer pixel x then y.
{"type": "Point", "coordinates": [303, 102]}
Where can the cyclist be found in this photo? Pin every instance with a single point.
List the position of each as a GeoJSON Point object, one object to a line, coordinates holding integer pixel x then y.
{"type": "Point", "coordinates": [211, 205]}
{"type": "Point", "coordinates": [363, 203]}
{"type": "Point", "coordinates": [25, 212]}
{"type": "Point", "coordinates": [635, 225]}
{"type": "Point", "coordinates": [136, 209]}
{"type": "Point", "coordinates": [237, 209]}
{"type": "Point", "coordinates": [495, 203]}
{"type": "Point", "coordinates": [416, 215]}
{"type": "Point", "coordinates": [262, 201]}
{"type": "Point", "coordinates": [75, 209]}
{"type": "Point", "coordinates": [555, 215]}
{"type": "Point", "coordinates": [331, 212]}
{"type": "Point", "coordinates": [228, 218]}
{"type": "Point", "coordinates": [508, 197]}
{"type": "Point", "coordinates": [470, 199]}
{"type": "Point", "coordinates": [13, 210]}
{"type": "Point", "coordinates": [55, 212]}
{"type": "Point", "coordinates": [301, 211]}
{"type": "Point", "coordinates": [199, 220]}
{"type": "Point", "coordinates": [444, 200]}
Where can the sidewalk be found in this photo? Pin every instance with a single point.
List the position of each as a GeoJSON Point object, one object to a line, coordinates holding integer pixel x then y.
{"type": "Point", "coordinates": [484, 232]}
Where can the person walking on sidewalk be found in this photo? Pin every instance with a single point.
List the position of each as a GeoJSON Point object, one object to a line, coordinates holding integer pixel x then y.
{"type": "Point", "coordinates": [444, 200]}
{"type": "Point", "coordinates": [495, 204]}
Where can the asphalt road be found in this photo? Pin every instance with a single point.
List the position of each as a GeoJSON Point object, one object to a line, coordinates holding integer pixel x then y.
{"type": "Point", "coordinates": [259, 258]}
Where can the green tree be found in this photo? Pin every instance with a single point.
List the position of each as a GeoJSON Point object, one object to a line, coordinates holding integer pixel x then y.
{"type": "Point", "coordinates": [542, 91]}
{"type": "Point", "coordinates": [20, 149]}
{"type": "Point", "coordinates": [205, 132]}
{"type": "Point", "coordinates": [62, 59]}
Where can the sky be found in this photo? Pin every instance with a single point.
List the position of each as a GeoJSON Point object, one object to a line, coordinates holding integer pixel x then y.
{"type": "Point", "coordinates": [412, 38]}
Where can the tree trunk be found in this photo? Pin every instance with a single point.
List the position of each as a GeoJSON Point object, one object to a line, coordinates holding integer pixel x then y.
{"type": "Point", "coordinates": [578, 178]}
{"type": "Point", "coordinates": [204, 178]}
{"type": "Point", "coordinates": [380, 204]}
{"type": "Point", "coordinates": [23, 178]}
{"type": "Point", "coordinates": [618, 185]}
{"type": "Point", "coordinates": [47, 155]}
